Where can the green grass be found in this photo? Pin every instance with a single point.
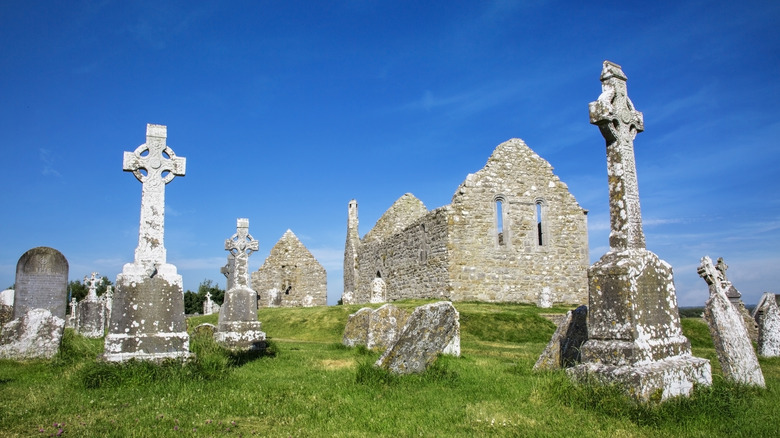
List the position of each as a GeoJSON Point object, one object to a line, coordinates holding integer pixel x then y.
{"type": "Point", "coordinates": [310, 385]}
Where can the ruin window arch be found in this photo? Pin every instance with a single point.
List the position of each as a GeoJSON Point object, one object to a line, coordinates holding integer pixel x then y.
{"type": "Point", "coordinates": [501, 226]}
{"type": "Point", "coordinates": [540, 213]}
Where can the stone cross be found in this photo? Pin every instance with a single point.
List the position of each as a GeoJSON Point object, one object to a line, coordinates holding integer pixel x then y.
{"type": "Point", "coordinates": [619, 122]}
{"type": "Point", "coordinates": [154, 164]}
{"type": "Point", "coordinates": [241, 246]}
{"type": "Point", "coordinates": [92, 283]}
{"type": "Point", "coordinates": [73, 305]}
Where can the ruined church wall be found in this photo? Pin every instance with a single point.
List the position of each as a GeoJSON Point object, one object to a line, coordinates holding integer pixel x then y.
{"type": "Point", "coordinates": [413, 263]}
{"type": "Point", "coordinates": [519, 269]}
{"type": "Point", "coordinates": [290, 277]}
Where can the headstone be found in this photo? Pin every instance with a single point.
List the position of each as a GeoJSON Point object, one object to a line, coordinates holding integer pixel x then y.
{"type": "Point", "coordinates": [378, 290]}
{"type": "Point", "coordinates": [767, 314]}
{"type": "Point", "coordinates": [545, 298]}
{"type": "Point", "coordinates": [108, 299]}
{"type": "Point", "coordinates": [384, 326]}
{"type": "Point", "coordinates": [205, 329]}
{"type": "Point", "coordinates": [736, 300]}
{"type": "Point", "coordinates": [732, 343]}
{"type": "Point", "coordinates": [635, 340]}
{"type": "Point", "coordinates": [356, 330]}
{"type": "Point", "coordinates": [35, 335]}
{"type": "Point", "coordinates": [149, 323]}
{"type": "Point", "coordinates": [91, 312]}
{"type": "Point", "coordinates": [238, 327]}
{"type": "Point", "coordinates": [209, 306]}
{"type": "Point", "coordinates": [563, 350]}
{"type": "Point", "coordinates": [6, 306]}
{"type": "Point", "coordinates": [71, 321]}
{"type": "Point", "coordinates": [41, 282]}
{"type": "Point", "coordinates": [430, 330]}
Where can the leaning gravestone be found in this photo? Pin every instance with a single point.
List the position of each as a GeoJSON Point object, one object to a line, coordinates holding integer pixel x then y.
{"type": "Point", "coordinates": [430, 330]}
{"type": "Point", "coordinates": [563, 350]}
{"type": "Point", "coordinates": [147, 321]}
{"type": "Point", "coordinates": [238, 327]}
{"type": "Point", "coordinates": [767, 315]}
{"type": "Point", "coordinates": [41, 282]}
{"type": "Point", "coordinates": [91, 319]}
{"type": "Point", "coordinates": [384, 326]}
{"type": "Point", "coordinates": [732, 342]}
{"type": "Point", "coordinates": [356, 330]}
{"type": "Point", "coordinates": [635, 340]}
{"type": "Point", "coordinates": [35, 335]}
{"type": "Point", "coordinates": [736, 300]}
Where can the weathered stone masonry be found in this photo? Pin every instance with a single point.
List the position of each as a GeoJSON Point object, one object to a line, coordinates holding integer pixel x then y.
{"type": "Point", "coordinates": [512, 233]}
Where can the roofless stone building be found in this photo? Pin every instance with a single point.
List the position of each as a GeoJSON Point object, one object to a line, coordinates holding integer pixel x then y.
{"type": "Point", "coordinates": [513, 233]}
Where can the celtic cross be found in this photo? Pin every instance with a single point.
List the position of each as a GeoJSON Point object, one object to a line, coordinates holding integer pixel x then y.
{"type": "Point", "coordinates": [619, 122]}
{"type": "Point", "coordinates": [92, 283]}
{"type": "Point", "coordinates": [154, 164]}
{"type": "Point", "coordinates": [241, 245]}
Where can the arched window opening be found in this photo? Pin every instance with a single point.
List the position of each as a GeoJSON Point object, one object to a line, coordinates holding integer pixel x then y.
{"type": "Point", "coordinates": [500, 220]}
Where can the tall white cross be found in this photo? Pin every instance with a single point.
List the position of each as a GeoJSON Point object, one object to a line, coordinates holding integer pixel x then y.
{"type": "Point", "coordinates": [619, 122]}
{"type": "Point", "coordinates": [154, 164]}
{"type": "Point", "coordinates": [241, 245]}
{"type": "Point", "coordinates": [92, 283]}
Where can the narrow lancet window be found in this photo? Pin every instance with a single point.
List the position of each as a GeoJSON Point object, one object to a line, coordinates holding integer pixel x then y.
{"type": "Point", "coordinates": [500, 221]}
{"type": "Point", "coordinates": [540, 223]}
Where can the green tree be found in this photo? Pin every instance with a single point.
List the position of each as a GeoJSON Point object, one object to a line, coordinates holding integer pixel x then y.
{"type": "Point", "coordinates": [79, 290]}
{"type": "Point", "coordinates": [193, 301]}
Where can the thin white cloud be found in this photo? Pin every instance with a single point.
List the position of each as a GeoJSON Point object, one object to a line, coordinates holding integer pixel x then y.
{"type": "Point", "coordinates": [48, 160]}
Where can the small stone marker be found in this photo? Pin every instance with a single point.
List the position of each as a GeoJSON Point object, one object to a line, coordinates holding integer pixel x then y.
{"type": "Point", "coordinates": [6, 306]}
{"type": "Point", "coordinates": [767, 316]}
{"type": "Point", "coordinates": [563, 350]}
{"type": "Point", "coordinates": [431, 329]}
{"type": "Point", "coordinates": [634, 335]}
{"type": "Point", "coordinates": [41, 282]}
{"type": "Point", "coordinates": [91, 312]}
{"type": "Point", "coordinates": [238, 327]}
{"type": "Point", "coordinates": [356, 330]}
{"type": "Point", "coordinates": [148, 318]}
{"type": "Point", "coordinates": [378, 290]}
{"type": "Point", "coordinates": [384, 326]}
{"type": "Point", "coordinates": [209, 306]}
{"type": "Point", "coordinates": [71, 320]}
{"type": "Point", "coordinates": [732, 343]}
{"type": "Point", "coordinates": [36, 335]}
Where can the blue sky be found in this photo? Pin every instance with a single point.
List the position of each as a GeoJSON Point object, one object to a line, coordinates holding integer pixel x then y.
{"type": "Point", "coordinates": [286, 110]}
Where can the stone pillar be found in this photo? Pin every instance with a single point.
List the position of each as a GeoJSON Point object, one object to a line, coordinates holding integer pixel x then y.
{"type": "Point", "coordinates": [351, 255]}
{"type": "Point", "coordinates": [634, 335]}
{"type": "Point", "coordinates": [149, 322]}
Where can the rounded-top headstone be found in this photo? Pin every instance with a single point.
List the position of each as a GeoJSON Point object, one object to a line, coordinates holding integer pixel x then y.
{"type": "Point", "coordinates": [41, 282]}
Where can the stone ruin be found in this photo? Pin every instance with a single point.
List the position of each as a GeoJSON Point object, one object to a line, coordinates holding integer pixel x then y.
{"type": "Point", "coordinates": [634, 335]}
{"type": "Point", "coordinates": [238, 327]}
{"type": "Point", "coordinates": [733, 347]}
{"type": "Point", "coordinates": [512, 233]}
{"type": "Point", "coordinates": [39, 306]}
{"type": "Point", "coordinates": [147, 321]}
{"type": "Point", "coordinates": [91, 311]}
{"type": "Point", "coordinates": [767, 316]}
{"type": "Point", "coordinates": [410, 342]}
{"type": "Point", "coordinates": [563, 350]}
{"type": "Point", "coordinates": [291, 276]}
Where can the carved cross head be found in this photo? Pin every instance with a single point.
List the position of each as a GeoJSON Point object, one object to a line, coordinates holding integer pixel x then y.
{"type": "Point", "coordinates": [613, 111]}
{"type": "Point", "coordinates": [154, 162]}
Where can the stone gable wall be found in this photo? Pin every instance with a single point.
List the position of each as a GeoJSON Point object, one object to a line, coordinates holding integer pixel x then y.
{"type": "Point", "coordinates": [292, 274]}
{"type": "Point", "coordinates": [520, 269]}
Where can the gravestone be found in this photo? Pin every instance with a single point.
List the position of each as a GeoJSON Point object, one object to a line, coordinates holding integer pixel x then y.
{"type": "Point", "coordinates": [6, 306]}
{"type": "Point", "coordinates": [356, 330]}
{"type": "Point", "coordinates": [147, 319]}
{"type": "Point", "coordinates": [635, 340]}
{"type": "Point", "coordinates": [41, 282]}
{"type": "Point", "coordinates": [767, 314]}
{"type": "Point", "coordinates": [71, 320]}
{"type": "Point", "coordinates": [736, 300]}
{"type": "Point", "coordinates": [35, 335]}
{"type": "Point", "coordinates": [209, 306]}
{"type": "Point", "coordinates": [430, 330]}
{"type": "Point", "coordinates": [735, 352]}
{"type": "Point", "coordinates": [108, 300]}
{"type": "Point", "coordinates": [378, 290]}
{"type": "Point", "coordinates": [91, 319]}
{"type": "Point", "coordinates": [563, 350]}
{"type": "Point", "coordinates": [228, 269]}
{"type": "Point", "coordinates": [384, 326]}
{"type": "Point", "coordinates": [238, 327]}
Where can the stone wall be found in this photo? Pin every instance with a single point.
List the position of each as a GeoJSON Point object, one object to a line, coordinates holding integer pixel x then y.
{"type": "Point", "coordinates": [484, 246]}
{"type": "Point", "coordinates": [290, 276]}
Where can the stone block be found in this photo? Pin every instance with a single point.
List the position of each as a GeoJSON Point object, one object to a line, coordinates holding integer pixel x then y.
{"type": "Point", "coordinates": [384, 326]}
{"type": "Point", "coordinates": [356, 330]}
{"type": "Point", "coordinates": [35, 335]}
{"type": "Point", "coordinates": [238, 327]}
{"type": "Point", "coordinates": [429, 331]}
{"type": "Point", "coordinates": [563, 350]}
{"type": "Point", "coordinates": [91, 319]}
{"type": "Point", "coordinates": [768, 318]}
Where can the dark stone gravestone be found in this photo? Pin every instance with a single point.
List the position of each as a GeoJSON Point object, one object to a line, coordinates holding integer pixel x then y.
{"type": "Point", "coordinates": [41, 282]}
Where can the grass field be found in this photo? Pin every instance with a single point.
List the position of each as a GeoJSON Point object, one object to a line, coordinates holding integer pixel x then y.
{"type": "Point", "coordinates": [310, 385]}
